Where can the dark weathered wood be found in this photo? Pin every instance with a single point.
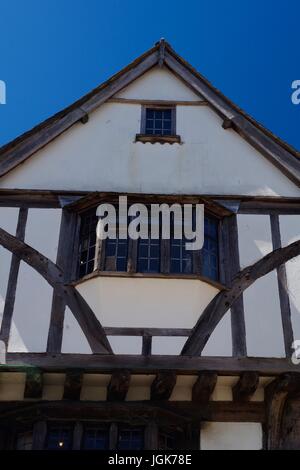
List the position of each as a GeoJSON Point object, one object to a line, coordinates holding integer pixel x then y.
{"type": "Point", "coordinates": [283, 290]}
{"type": "Point", "coordinates": [77, 436]}
{"type": "Point", "coordinates": [68, 231]}
{"type": "Point", "coordinates": [118, 386]}
{"type": "Point", "coordinates": [165, 256]}
{"type": "Point", "coordinates": [186, 365]}
{"type": "Point", "coordinates": [204, 387]}
{"type": "Point", "coordinates": [152, 103]}
{"type": "Point", "coordinates": [232, 268]}
{"type": "Point", "coordinates": [161, 139]}
{"type": "Point", "coordinates": [73, 385]}
{"type": "Point", "coordinates": [12, 281]}
{"type": "Point", "coordinates": [245, 387]}
{"type": "Point", "coordinates": [163, 386]}
{"type": "Point", "coordinates": [113, 436]}
{"type": "Point", "coordinates": [276, 395]}
{"type": "Point", "coordinates": [128, 331]}
{"type": "Point", "coordinates": [151, 436]}
{"type": "Point", "coordinates": [218, 307]}
{"type": "Point", "coordinates": [86, 318]}
{"type": "Point", "coordinates": [34, 384]}
{"type": "Point", "coordinates": [147, 345]}
{"type": "Point", "coordinates": [132, 256]}
{"type": "Point", "coordinates": [39, 435]}
{"type": "Point", "coordinates": [164, 413]}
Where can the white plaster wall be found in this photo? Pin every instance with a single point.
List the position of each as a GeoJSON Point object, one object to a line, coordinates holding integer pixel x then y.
{"type": "Point", "coordinates": [158, 84]}
{"type": "Point", "coordinates": [102, 155]}
{"type": "Point", "coordinates": [8, 221]}
{"type": "Point", "coordinates": [290, 232]}
{"type": "Point", "coordinates": [261, 301]}
{"type": "Point", "coordinates": [33, 301]}
{"type": "Point", "coordinates": [231, 436]}
{"type": "Point", "coordinates": [136, 302]}
{"type": "Point", "coordinates": [220, 342]}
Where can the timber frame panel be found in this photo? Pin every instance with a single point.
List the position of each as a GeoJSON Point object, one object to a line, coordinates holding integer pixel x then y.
{"type": "Point", "coordinates": [224, 207]}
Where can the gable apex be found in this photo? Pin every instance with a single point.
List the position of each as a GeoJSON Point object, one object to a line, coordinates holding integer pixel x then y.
{"type": "Point", "coordinates": [270, 146]}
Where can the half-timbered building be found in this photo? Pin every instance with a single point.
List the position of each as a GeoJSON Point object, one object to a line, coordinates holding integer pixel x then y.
{"type": "Point", "coordinates": [142, 344]}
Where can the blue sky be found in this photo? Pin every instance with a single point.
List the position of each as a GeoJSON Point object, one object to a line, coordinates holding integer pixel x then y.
{"type": "Point", "coordinates": [54, 51]}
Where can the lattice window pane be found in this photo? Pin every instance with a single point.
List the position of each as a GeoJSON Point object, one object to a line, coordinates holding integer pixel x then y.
{"type": "Point", "coordinates": [159, 121]}
{"type": "Point", "coordinates": [131, 439]}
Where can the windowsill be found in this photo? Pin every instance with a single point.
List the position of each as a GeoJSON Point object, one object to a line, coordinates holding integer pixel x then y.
{"type": "Point", "coordinates": [160, 139]}
{"type": "Point", "coordinates": [186, 277]}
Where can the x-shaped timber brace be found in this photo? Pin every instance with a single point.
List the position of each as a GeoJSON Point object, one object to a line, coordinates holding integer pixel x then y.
{"type": "Point", "coordinates": [92, 328]}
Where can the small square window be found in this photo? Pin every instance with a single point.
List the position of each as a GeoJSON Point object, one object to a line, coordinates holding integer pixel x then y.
{"type": "Point", "coordinates": [159, 121]}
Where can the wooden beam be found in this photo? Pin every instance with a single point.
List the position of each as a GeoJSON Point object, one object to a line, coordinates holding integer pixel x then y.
{"type": "Point", "coordinates": [118, 386]}
{"type": "Point", "coordinates": [245, 387]}
{"type": "Point", "coordinates": [217, 308]}
{"type": "Point", "coordinates": [276, 395]}
{"type": "Point", "coordinates": [12, 281]}
{"type": "Point", "coordinates": [183, 365]}
{"type": "Point", "coordinates": [77, 436]}
{"type": "Point", "coordinates": [39, 435]}
{"type": "Point", "coordinates": [285, 307]}
{"type": "Point", "coordinates": [163, 385]}
{"type": "Point", "coordinates": [204, 387]}
{"type": "Point", "coordinates": [34, 384]}
{"type": "Point", "coordinates": [86, 318]}
{"type": "Point", "coordinates": [73, 385]}
{"type": "Point", "coordinates": [151, 436]}
{"type": "Point", "coordinates": [232, 268]}
{"type": "Point", "coordinates": [147, 345]}
{"type": "Point", "coordinates": [165, 413]}
{"type": "Point", "coordinates": [65, 261]}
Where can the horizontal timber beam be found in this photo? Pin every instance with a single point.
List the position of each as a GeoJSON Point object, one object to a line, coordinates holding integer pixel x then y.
{"type": "Point", "coordinates": [135, 413]}
{"type": "Point", "coordinates": [183, 365]}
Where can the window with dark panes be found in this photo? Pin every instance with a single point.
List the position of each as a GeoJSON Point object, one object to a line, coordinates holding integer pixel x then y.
{"type": "Point", "coordinates": [210, 251]}
{"type": "Point", "coordinates": [149, 256]}
{"type": "Point", "coordinates": [181, 259]}
{"type": "Point", "coordinates": [115, 253]}
{"type": "Point", "coordinates": [131, 438]}
{"type": "Point", "coordinates": [87, 247]}
{"type": "Point", "coordinates": [160, 121]}
{"type": "Point", "coordinates": [59, 438]}
{"type": "Point", "coordinates": [96, 438]}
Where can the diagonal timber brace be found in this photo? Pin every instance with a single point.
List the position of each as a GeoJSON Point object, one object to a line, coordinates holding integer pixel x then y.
{"type": "Point", "coordinates": [84, 315]}
{"type": "Point", "coordinates": [220, 304]}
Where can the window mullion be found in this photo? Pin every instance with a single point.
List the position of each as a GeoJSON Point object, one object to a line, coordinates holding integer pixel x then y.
{"type": "Point", "coordinates": [132, 256]}
{"type": "Point", "coordinates": [165, 250]}
{"type": "Point", "coordinates": [99, 255]}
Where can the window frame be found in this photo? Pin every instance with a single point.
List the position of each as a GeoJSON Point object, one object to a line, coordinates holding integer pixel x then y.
{"type": "Point", "coordinates": [165, 259]}
{"type": "Point", "coordinates": [164, 107]}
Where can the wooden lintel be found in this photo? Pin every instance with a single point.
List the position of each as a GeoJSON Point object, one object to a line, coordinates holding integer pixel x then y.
{"type": "Point", "coordinates": [165, 412]}
{"type": "Point", "coordinates": [204, 387]}
{"type": "Point", "coordinates": [245, 387]}
{"type": "Point", "coordinates": [118, 387]}
{"type": "Point", "coordinates": [163, 385]}
{"type": "Point", "coordinates": [73, 384]}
